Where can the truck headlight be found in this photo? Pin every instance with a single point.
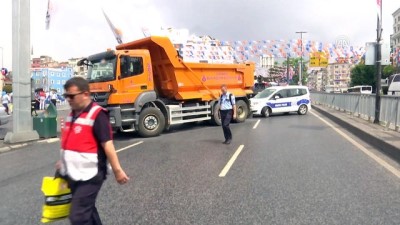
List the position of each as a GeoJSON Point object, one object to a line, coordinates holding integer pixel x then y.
{"type": "Point", "coordinates": [112, 120]}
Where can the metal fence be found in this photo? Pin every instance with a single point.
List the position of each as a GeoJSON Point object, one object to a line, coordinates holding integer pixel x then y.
{"type": "Point", "coordinates": [363, 106]}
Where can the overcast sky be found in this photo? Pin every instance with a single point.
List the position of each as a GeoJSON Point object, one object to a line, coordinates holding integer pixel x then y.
{"type": "Point", "coordinates": [78, 27]}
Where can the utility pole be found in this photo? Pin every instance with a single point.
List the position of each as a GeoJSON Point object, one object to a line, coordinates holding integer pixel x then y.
{"type": "Point", "coordinates": [301, 56]}
{"type": "Point", "coordinates": [22, 122]}
{"type": "Point", "coordinates": [378, 64]}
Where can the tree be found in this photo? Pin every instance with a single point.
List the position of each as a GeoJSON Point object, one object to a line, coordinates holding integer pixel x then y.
{"type": "Point", "coordinates": [363, 75]}
{"type": "Point", "coordinates": [387, 71]}
{"type": "Point", "coordinates": [295, 63]}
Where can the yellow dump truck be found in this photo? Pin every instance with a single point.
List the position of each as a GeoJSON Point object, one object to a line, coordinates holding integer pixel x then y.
{"type": "Point", "coordinates": [147, 87]}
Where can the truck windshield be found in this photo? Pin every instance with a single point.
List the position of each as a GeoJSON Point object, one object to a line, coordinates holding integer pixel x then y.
{"type": "Point", "coordinates": [264, 94]}
{"type": "Point", "coordinates": [102, 70]}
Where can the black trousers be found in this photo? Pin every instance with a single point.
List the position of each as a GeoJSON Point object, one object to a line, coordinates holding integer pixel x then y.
{"type": "Point", "coordinates": [6, 108]}
{"type": "Point", "coordinates": [226, 117]}
{"type": "Point", "coordinates": [84, 194]}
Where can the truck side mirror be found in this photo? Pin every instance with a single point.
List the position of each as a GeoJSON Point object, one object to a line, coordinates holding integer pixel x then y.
{"type": "Point", "coordinates": [277, 97]}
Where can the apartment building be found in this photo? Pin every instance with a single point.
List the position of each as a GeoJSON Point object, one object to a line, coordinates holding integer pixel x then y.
{"type": "Point", "coordinates": [78, 70]}
{"type": "Point", "coordinates": [51, 78]}
{"type": "Point", "coordinates": [395, 38]}
{"type": "Point", "coordinates": [317, 79]}
{"type": "Point", "coordinates": [338, 77]}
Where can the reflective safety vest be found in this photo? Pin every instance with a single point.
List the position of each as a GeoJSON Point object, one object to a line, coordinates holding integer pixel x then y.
{"type": "Point", "coordinates": [79, 147]}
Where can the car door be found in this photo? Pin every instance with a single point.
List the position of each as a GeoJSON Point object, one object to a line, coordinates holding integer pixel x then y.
{"type": "Point", "coordinates": [280, 102]}
{"type": "Point", "coordinates": [294, 96]}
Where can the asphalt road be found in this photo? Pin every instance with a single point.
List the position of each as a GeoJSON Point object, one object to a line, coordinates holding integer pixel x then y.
{"type": "Point", "coordinates": [291, 170]}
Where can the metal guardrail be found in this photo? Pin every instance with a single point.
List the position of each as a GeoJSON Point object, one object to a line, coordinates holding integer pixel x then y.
{"type": "Point", "coordinates": [362, 106]}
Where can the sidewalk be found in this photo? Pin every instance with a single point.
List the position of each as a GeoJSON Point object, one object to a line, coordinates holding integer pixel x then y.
{"type": "Point", "coordinates": [62, 111]}
{"type": "Point", "coordinates": [385, 140]}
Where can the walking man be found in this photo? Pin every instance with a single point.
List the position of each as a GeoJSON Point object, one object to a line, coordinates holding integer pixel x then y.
{"type": "Point", "coordinates": [6, 100]}
{"type": "Point", "coordinates": [86, 147]}
{"type": "Point", "coordinates": [53, 97]}
{"type": "Point", "coordinates": [227, 110]}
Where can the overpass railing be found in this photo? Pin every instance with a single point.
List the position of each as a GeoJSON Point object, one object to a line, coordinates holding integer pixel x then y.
{"type": "Point", "coordinates": [362, 106]}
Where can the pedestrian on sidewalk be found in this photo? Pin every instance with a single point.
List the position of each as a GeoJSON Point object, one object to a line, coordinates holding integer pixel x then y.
{"type": "Point", "coordinates": [86, 147]}
{"type": "Point", "coordinates": [42, 98]}
{"type": "Point", "coordinates": [53, 97]}
{"type": "Point", "coordinates": [227, 110]}
{"type": "Point", "coordinates": [6, 100]}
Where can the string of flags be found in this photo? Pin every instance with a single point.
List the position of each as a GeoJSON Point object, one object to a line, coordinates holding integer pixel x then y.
{"type": "Point", "coordinates": [226, 51]}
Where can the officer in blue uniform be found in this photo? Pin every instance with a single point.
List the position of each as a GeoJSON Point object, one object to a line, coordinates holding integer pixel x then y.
{"type": "Point", "coordinates": [227, 111]}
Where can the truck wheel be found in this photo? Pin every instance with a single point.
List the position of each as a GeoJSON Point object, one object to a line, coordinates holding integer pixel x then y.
{"type": "Point", "coordinates": [215, 118]}
{"type": "Point", "coordinates": [151, 122]}
{"type": "Point", "coordinates": [302, 110]}
{"type": "Point", "coordinates": [265, 112]}
{"type": "Point", "coordinates": [241, 111]}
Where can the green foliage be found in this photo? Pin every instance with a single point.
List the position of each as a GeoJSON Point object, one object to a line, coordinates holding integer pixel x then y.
{"type": "Point", "coordinates": [387, 71]}
{"type": "Point", "coordinates": [295, 63]}
{"type": "Point", "coordinates": [363, 75]}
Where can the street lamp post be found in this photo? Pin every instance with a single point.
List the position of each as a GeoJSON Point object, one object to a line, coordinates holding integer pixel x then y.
{"type": "Point", "coordinates": [301, 56]}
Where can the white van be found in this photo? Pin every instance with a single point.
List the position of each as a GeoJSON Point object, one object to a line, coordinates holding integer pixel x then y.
{"type": "Point", "coordinates": [281, 99]}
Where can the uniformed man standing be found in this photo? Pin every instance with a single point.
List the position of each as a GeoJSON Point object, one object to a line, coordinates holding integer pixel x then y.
{"type": "Point", "coordinates": [227, 110]}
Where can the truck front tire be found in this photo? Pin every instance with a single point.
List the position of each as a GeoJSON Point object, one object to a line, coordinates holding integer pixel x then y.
{"type": "Point", "coordinates": [151, 122]}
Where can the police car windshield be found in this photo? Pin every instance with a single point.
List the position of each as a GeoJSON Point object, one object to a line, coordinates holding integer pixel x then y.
{"type": "Point", "coordinates": [100, 71]}
{"type": "Point", "coordinates": [266, 93]}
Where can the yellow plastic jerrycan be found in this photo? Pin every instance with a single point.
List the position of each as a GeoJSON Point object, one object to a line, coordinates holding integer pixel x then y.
{"type": "Point", "coordinates": [57, 201]}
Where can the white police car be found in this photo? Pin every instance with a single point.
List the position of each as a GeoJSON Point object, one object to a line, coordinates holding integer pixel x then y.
{"type": "Point", "coordinates": [281, 99]}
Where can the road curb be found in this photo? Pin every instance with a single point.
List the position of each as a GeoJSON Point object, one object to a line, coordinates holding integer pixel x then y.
{"type": "Point", "coordinates": [386, 148]}
{"type": "Point", "coordinates": [17, 146]}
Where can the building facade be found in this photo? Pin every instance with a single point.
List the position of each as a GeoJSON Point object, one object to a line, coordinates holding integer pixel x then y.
{"type": "Point", "coordinates": [78, 70]}
{"type": "Point", "coordinates": [51, 78]}
{"type": "Point", "coordinates": [317, 79]}
{"type": "Point", "coordinates": [396, 29]}
{"type": "Point", "coordinates": [395, 38]}
{"type": "Point", "coordinates": [338, 77]}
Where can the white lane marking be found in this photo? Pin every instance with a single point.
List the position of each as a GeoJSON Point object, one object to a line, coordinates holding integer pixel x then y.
{"type": "Point", "coordinates": [231, 161]}
{"type": "Point", "coordinates": [363, 149]}
{"type": "Point", "coordinates": [129, 146]}
{"type": "Point", "coordinates": [255, 125]}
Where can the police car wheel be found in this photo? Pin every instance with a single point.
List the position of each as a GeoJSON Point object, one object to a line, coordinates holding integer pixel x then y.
{"type": "Point", "coordinates": [302, 110]}
{"type": "Point", "coordinates": [265, 112]}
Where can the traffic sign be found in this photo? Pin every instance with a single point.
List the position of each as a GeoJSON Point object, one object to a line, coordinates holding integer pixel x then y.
{"type": "Point", "coordinates": [318, 59]}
